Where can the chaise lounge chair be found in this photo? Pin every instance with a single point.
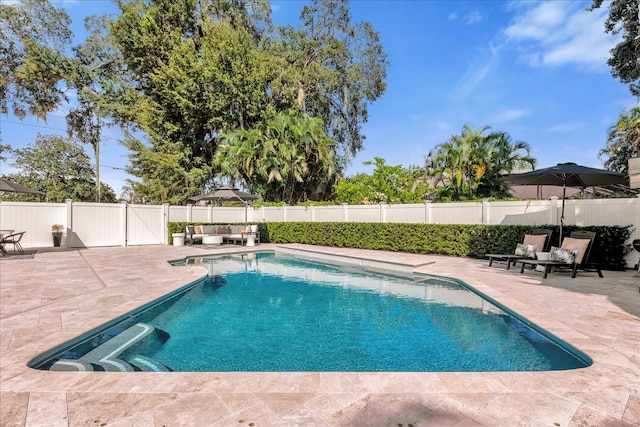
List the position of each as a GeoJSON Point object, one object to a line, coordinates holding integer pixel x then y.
{"type": "Point", "coordinates": [537, 241]}
{"type": "Point", "coordinates": [573, 254]}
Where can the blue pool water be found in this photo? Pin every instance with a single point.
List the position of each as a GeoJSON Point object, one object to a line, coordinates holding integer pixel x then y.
{"type": "Point", "coordinates": [272, 312]}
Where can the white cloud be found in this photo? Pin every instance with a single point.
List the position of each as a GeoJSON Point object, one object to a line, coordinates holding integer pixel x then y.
{"type": "Point", "coordinates": [473, 17]}
{"type": "Point", "coordinates": [565, 127]}
{"type": "Point", "coordinates": [477, 71]}
{"type": "Point", "coordinates": [453, 16]}
{"type": "Point", "coordinates": [508, 114]}
{"type": "Point", "coordinates": [558, 33]}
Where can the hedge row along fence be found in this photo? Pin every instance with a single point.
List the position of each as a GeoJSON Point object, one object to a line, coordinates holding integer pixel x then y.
{"type": "Point", "coordinates": [442, 239]}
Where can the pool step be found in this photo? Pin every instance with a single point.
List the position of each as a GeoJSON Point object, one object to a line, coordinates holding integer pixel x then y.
{"type": "Point", "coordinates": [112, 355]}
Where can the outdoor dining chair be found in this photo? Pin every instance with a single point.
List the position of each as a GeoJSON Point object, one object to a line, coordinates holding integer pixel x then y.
{"type": "Point", "coordinates": [13, 239]}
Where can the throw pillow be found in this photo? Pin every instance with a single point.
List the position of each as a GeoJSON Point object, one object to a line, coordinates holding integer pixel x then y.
{"type": "Point", "coordinates": [197, 229]}
{"type": "Point", "coordinates": [224, 230]}
{"type": "Point", "coordinates": [528, 251]}
{"type": "Point", "coordinates": [566, 256]}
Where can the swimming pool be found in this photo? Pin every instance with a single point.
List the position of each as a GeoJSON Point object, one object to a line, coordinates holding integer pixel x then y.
{"type": "Point", "coordinates": [277, 312]}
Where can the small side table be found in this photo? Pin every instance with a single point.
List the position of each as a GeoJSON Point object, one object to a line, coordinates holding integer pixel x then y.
{"type": "Point", "coordinates": [251, 239]}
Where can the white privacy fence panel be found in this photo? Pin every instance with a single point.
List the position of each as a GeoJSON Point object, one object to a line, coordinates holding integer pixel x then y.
{"type": "Point", "coordinates": [531, 212]}
{"type": "Point", "coordinates": [201, 214]}
{"type": "Point", "coordinates": [362, 213]}
{"type": "Point", "coordinates": [229, 215]}
{"type": "Point", "coordinates": [328, 214]}
{"type": "Point", "coordinates": [299, 214]}
{"type": "Point", "coordinates": [34, 218]}
{"type": "Point", "coordinates": [273, 214]}
{"type": "Point", "coordinates": [414, 213]}
{"type": "Point", "coordinates": [146, 225]}
{"type": "Point", "coordinates": [96, 224]}
{"type": "Point", "coordinates": [179, 213]}
{"type": "Point", "coordinates": [607, 212]}
{"type": "Point", "coordinates": [456, 213]}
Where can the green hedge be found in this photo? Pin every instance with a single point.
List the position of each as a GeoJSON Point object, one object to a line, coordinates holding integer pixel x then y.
{"type": "Point", "coordinates": [444, 239]}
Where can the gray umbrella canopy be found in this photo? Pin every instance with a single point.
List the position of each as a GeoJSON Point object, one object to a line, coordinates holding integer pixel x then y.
{"type": "Point", "coordinates": [568, 175]}
{"type": "Point", "coordinates": [226, 193]}
{"type": "Point", "coordinates": [6, 185]}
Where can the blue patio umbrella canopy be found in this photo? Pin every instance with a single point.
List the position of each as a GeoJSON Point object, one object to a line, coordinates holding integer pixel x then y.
{"type": "Point", "coordinates": [568, 175]}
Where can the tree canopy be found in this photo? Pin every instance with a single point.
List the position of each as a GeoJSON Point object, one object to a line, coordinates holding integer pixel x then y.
{"type": "Point", "coordinates": [470, 165]}
{"type": "Point", "coordinates": [387, 184]}
{"type": "Point", "coordinates": [34, 36]}
{"type": "Point", "coordinates": [624, 18]}
{"type": "Point", "coordinates": [192, 71]}
{"type": "Point", "coordinates": [58, 167]}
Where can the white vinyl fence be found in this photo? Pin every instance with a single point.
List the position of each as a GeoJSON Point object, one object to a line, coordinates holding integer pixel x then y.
{"type": "Point", "coordinates": [105, 224]}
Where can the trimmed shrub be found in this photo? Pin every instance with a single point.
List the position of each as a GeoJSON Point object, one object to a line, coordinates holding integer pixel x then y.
{"type": "Point", "coordinates": [473, 240]}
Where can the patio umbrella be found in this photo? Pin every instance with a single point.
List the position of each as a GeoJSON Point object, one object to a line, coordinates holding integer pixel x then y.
{"type": "Point", "coordinates": [6, 185]}
{"type": "Point", "coordinates": [567, 175]}
{"type": "Point", "coordinates": [227, 193]}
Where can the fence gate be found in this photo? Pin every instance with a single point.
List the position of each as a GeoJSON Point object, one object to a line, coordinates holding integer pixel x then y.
{"type": "Point", "coordinates": [146, 225]}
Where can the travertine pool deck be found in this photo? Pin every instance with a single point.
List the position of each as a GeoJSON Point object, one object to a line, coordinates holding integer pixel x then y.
{"type": "Point", "coordinates": [58, 295]}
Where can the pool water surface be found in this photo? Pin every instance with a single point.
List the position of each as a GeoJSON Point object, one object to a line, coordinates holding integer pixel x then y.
{"type": "Point", "coordinates": [275, 312]}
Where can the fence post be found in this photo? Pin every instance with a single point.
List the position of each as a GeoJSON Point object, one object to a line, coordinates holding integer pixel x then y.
{"type": "Point", "coordinates": [427, 212]}
{"type": "Point", "coordinates": [123, 220]}
{"type": "Point", "coordinates": [69, 224]}
{"type": "Point", "coordinates": [210, 214]}
{"type": "Point", "coordinates": [165, 221]}
{"type": "Point", "coordinates": [345, 208]}
{"type": "Point", "coordinates": [485, 211]}
{"type": "Point", "coordinates": [383, 212]}
{"type": "Point", "coordinates": [189, 212]}
{"type": "Point", "coordinates": [553, 210]}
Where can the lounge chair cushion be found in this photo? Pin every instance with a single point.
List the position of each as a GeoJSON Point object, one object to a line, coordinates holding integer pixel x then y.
{"type": "Point", "coordinates": [525, 250]}
{"type": "Point", "coordinates": [535, 239]}
{"type": "Point", "coordinates": [563, 255]}
{"type": "Point", "coordinates": [578, 245]}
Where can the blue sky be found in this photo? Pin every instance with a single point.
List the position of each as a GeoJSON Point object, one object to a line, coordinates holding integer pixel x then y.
{"type": "Point", "coordinates": [535, 69]}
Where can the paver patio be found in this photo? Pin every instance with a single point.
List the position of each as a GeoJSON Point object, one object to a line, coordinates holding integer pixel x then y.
{"type": "Point", "coordinates": [58, 295]}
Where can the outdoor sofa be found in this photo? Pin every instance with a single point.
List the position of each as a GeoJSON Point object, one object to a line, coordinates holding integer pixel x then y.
{"type": "Point", "coordinates": [236, 234]}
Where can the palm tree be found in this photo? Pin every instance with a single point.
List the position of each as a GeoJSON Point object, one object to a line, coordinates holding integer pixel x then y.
{"type": "Point", "coordinates": [470, 164]}
{"type": "Point", "coordinates": [623, 142]}
{"type": "Point", "coordinates": [290, 159]}
{"type": "Point", "coordinates": [507, 156]}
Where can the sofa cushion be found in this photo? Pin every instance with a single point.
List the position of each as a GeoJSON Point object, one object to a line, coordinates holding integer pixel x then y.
{"type": "Point", "coordinates": [208, 229]}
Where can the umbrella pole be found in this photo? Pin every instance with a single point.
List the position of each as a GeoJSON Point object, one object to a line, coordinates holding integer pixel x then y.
{"type": "Point", "coordinates": [564, 191]}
